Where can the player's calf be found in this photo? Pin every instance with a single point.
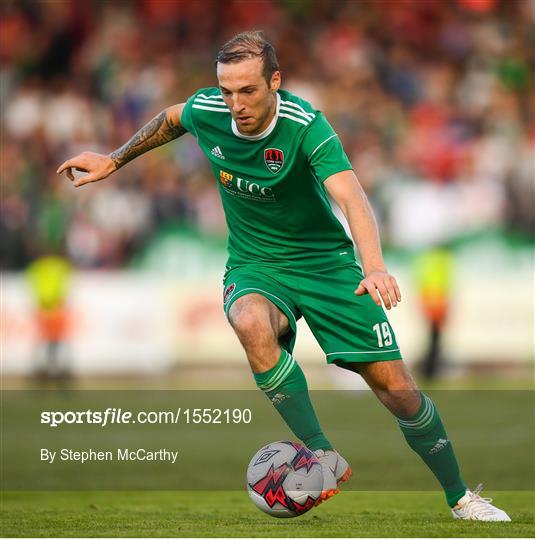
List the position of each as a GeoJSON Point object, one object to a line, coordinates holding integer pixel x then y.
{"type": "Point", "coordinates": [258, 323]}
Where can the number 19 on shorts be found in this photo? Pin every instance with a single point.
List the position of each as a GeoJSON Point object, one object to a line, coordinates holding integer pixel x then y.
{"type": "Point", "coordinates": [384, 335]}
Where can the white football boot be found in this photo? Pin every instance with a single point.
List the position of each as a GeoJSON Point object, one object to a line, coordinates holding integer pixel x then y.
{"type": "Point", "coordinates": [335, 471]}
{"type": "Point", "coordinates": [472, 506]}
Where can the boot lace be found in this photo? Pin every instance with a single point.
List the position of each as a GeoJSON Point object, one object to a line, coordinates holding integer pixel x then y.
{"type": "Point", "coordinates": [478, 505]}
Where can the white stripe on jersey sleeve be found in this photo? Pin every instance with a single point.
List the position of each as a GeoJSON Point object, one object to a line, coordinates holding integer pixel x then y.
{"type": "Point", "coordinates": [293, 111]}
{"type": "Point", "coordinates": [209, 97]}
{"type": "Point", "coordinates": [294, 118]}
{"type": "Point", "coordinates": [216, 109]}
{"type": "Point", "coordinates": [209, 102]}
{"type": "Point", "coordinates": [322, 143]}
{"type": "Point", "coordinates": [291, 104]}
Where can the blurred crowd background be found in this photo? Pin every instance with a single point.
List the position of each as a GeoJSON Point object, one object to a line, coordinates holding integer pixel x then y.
{"type": "Point", "coordinates": [433, 100]}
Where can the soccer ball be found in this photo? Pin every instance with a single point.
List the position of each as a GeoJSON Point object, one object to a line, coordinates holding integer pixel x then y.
{"type": "Point", "coordinates": [284, 479]}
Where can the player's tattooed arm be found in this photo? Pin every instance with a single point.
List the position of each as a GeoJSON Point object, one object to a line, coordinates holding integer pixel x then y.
{"type": "Point", "coordinates": [160, 130]}
{"type": "Point", "coordinates": [163, 128]}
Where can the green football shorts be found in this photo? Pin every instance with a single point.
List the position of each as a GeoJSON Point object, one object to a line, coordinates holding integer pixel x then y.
{"type": "Point", "coordinates": [349, 328]}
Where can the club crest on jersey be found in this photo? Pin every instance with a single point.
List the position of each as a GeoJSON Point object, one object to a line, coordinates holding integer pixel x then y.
{"type": "Point", "coordinates": [274, 159]}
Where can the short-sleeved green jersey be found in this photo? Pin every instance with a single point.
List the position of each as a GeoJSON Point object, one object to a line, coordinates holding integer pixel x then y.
{"type": "Point", "coordinates": [271, 184]}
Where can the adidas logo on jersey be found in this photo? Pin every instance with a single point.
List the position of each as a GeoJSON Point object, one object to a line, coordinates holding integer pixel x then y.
{"type": "Point", "coordinates": [441, 444]}
{"type": "Point", "coordinates": [216, 151]}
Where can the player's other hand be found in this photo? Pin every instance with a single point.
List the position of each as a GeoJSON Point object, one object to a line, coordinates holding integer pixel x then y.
{"type": "Point", "coordinates": [98, 167]}
{"type": "Point", "coordinates": [380, 285]}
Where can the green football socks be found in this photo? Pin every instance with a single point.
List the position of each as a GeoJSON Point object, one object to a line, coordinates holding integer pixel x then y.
{"type": "Point", "coordinates": [286, 387]}
{"type": "Point", "coordinates": [427, 436]}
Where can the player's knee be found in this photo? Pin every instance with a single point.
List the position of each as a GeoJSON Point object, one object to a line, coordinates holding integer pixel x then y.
{"type": "Point", "coordinates": [243, 321]}
{"type": "Point", "coordinates": [251, 324]}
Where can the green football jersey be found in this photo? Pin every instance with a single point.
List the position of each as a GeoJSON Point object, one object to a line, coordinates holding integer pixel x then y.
{"type": "Point", "coordinates": [271, 184]}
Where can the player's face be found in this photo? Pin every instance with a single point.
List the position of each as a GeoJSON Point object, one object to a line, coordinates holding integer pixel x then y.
{"type": "Point", "coordinates": [250, 99]}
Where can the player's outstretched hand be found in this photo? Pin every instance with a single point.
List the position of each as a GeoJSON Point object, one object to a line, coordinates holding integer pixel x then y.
{"type": "Point", "coordinates": [98, 167]}
{"type": "Point", "coordinates": [382, 283]}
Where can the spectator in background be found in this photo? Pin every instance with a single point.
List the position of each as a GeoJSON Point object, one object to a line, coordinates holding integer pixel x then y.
{"type": "Point", "coordinates": [433, 271]}
{"type": "Point", "coordinates": [49, 281]}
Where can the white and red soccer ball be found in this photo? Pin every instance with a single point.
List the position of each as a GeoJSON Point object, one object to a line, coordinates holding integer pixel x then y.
{"type": "Point", "coordinates": [284, 479]}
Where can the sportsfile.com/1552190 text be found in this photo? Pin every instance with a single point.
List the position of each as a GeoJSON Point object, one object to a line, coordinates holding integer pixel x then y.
{"type": "Point", "coordinates": [113, 415]}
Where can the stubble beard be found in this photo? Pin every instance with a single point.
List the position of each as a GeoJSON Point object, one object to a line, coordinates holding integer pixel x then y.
{"type": "Point", "coordinates": [262, 124]}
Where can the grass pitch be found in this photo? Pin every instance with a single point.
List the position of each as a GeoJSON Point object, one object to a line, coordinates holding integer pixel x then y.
{"type": "Point", "coordinates": [231, 514]}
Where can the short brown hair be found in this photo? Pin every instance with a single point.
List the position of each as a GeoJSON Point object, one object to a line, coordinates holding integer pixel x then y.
{"type": "Point", "coordinates": [246, 45]}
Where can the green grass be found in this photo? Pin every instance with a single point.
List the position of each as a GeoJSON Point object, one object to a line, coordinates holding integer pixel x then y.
{"type": "Point", "coordinates": [231, 514]}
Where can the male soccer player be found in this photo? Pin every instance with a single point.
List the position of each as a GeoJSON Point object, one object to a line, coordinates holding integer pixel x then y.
{"type": "Point", "coordinates": [276, 160]}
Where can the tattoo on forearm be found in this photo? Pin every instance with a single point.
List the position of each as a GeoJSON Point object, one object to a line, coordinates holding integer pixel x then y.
{"type": "Point", "coordinates": [157, 132]}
